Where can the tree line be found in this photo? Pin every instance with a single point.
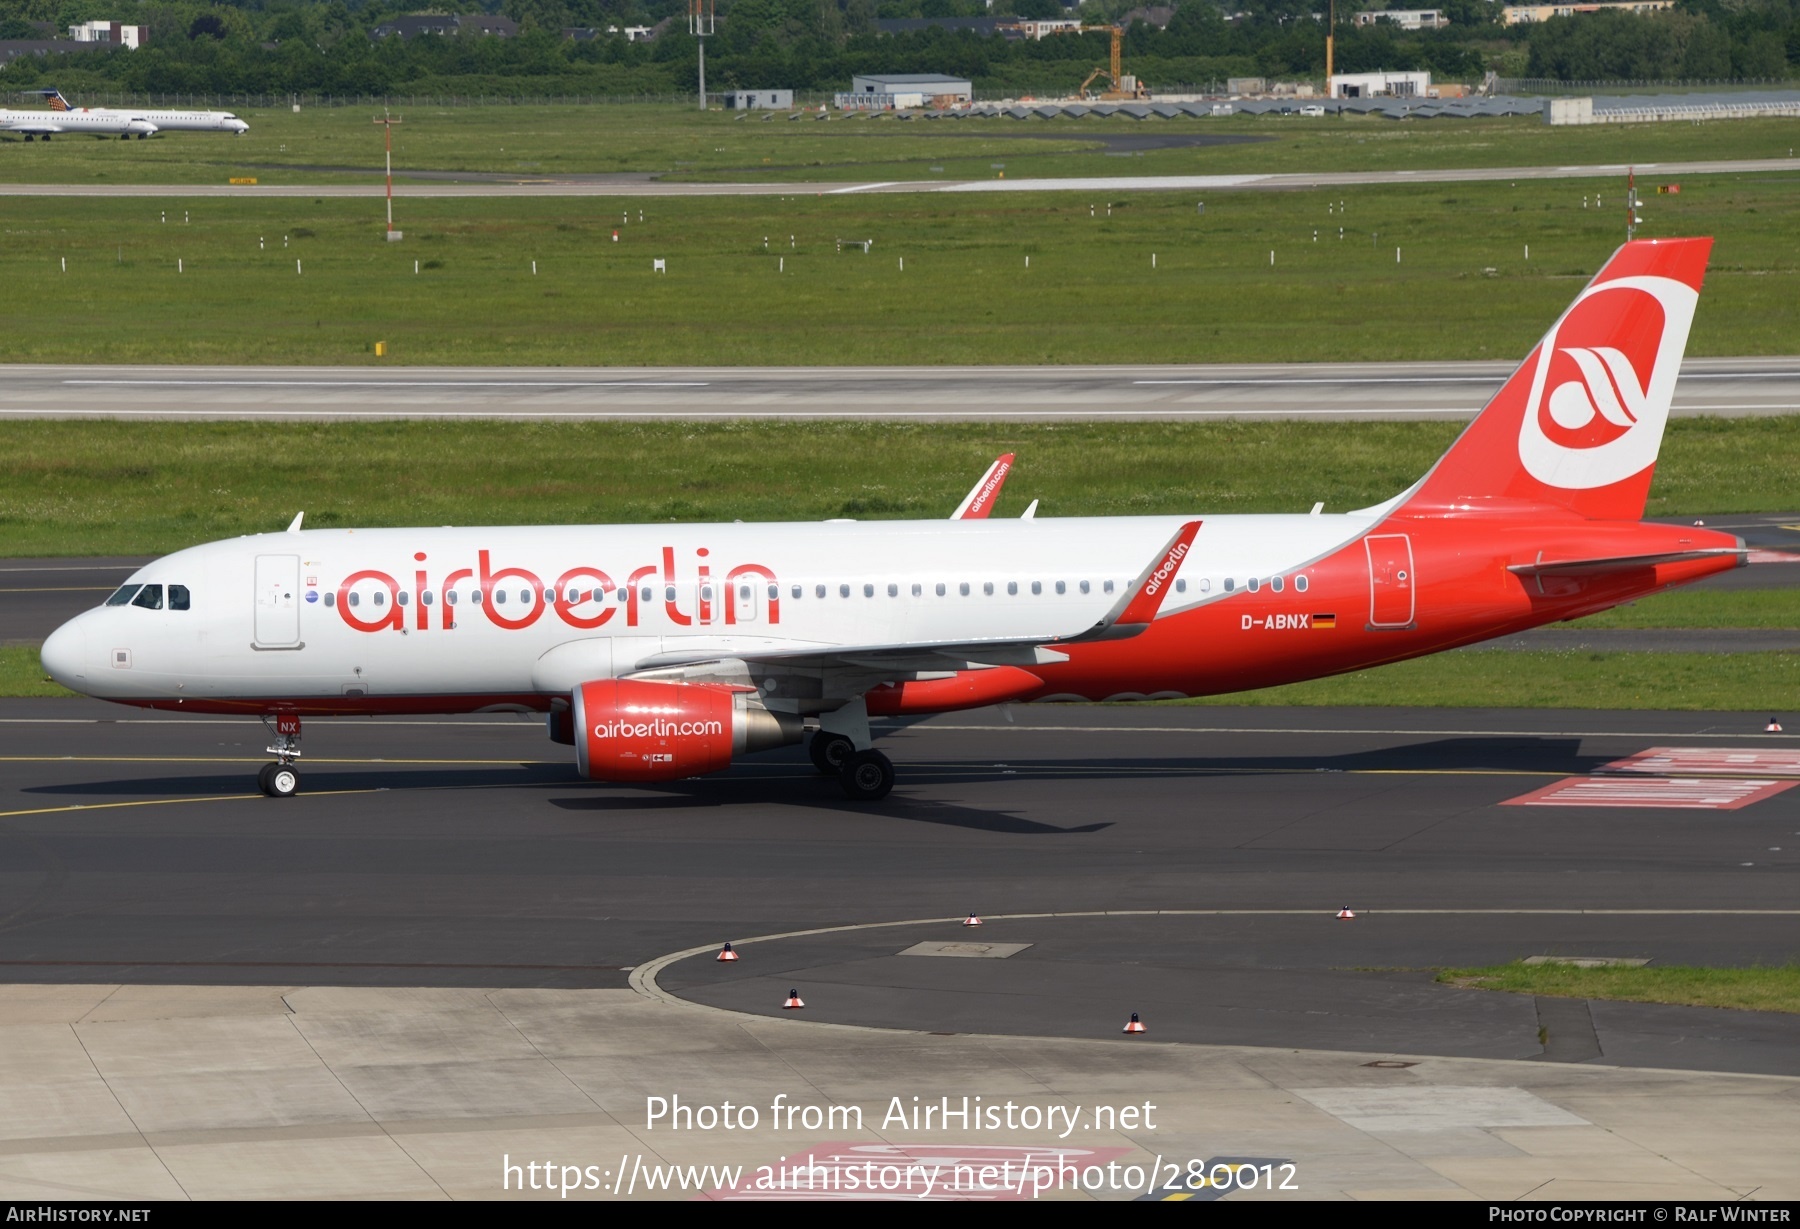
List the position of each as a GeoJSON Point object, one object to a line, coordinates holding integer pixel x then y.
{"type": "Point", "coordinates": [309, 46]}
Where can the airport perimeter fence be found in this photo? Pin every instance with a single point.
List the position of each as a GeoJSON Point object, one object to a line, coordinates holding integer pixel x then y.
{"type": "Point", "coordinates": [1547, 85]}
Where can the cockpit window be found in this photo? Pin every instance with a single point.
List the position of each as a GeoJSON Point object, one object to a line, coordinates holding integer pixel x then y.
{"type": "Point", "coordinates": [178, 597]}
{"type": "Point", "coordinates": [124, 595]}
{"type": "Point", "coordinates": [150, 597]}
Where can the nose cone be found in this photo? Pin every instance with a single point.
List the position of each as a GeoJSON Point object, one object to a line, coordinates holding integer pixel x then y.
{"type": "Point", "coordinates": [238, 126]}
{"type": "Point", "coordinates": [65, 655]}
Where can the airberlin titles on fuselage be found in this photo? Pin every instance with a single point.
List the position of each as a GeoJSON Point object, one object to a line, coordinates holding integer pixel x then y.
{"type": "Point", "coordinates": [583, 596]}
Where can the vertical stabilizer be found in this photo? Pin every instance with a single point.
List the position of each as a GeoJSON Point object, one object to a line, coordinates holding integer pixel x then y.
{"type": "Point", "coordinates": [1579, 424]}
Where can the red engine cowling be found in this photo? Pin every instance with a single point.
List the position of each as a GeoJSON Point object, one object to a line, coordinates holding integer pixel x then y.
{"type": "Point", "coordinates": [636, 730]}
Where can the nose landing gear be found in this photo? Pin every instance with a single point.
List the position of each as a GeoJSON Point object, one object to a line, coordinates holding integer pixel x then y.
{"type": "Point", "coordinates": [281, 779]}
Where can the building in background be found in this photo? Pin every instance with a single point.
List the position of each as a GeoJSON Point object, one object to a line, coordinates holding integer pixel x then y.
{"type": "Point", "coordinates": [1524, 14]}
{"type": "Point", "coordinates": [888, 91]}
{"type": "Point", "coordinates": [1406, 19]}
{"type": "Point", "coordinates": [758, 100]}
{"type": "Point", "coordinates": [1381, 85]}
{"type": "Point", "coordinates": [110, 32]}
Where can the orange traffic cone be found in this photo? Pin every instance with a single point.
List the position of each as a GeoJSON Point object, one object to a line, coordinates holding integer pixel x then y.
{"type": "Point", "coordinates": [793, 1001]}
{"type": "Point", "coordinates": [1135, 1025]}
{"type": "Point", "coordinates": [728, 954]}
{"type": "Point", "coordinates": [974, 919]}
{"type": "Point", "coordinates": [1345, 915]}
{"type": "Point", "coordinates": [1774, 727]}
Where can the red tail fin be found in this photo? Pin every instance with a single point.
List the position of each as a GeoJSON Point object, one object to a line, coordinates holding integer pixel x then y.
{"type": "Point", "coordinates": [1580, 422]}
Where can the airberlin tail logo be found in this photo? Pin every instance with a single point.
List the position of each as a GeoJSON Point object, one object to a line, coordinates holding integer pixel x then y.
{"type": "Point", "coordinates": [1604, 378]}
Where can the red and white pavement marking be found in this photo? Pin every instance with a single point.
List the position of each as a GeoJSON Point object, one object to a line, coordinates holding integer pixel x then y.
{"type": "Point", "coordinates": [1712, 761]}
{"type": "Point", "coordinates": [1675, 793]}
{"type": "Point", "coordinates": [869, 1170]}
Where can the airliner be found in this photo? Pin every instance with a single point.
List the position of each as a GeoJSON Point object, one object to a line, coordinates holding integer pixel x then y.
{"type": "Point", "coordinates": [81, 121]}
{"type": "Point", "coordinates": [161, 120]}
{"type": "Point", "coordinates": [663, 652]}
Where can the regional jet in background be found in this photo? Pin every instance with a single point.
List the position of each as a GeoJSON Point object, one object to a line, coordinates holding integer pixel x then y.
{"type": "Point", "coordinates": [81, 121]}
{"type": "Point", "coordinates": [160, 119]}
{"type": "Point", "coordinates": [666, 651]}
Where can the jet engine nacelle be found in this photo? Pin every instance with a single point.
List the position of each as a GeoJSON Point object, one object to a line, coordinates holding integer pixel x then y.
{"type": "Point", "coordinates": [635, 730]}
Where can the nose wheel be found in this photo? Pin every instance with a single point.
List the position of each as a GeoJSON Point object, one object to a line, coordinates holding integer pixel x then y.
{"type": "Point", "coordinates": [278, 780]}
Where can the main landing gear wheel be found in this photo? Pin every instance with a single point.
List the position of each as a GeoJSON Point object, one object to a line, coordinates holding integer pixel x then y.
{"type": "Point", "coordinates": [278, 780]}
{"type": "Point", "coordinates": [829, 751]}
{"type": "Point", "coordinates": [867, 776]}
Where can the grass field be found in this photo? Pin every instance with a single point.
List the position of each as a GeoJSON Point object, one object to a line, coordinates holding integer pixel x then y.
{"type": "Point", "coordinates": [340, 144]}
{"type": "Point", "coordinates": [1774, 988]}
{"type": "Point", "coordinates": [218, 280]}
{"type": "Point", "coordinates": [89, 488]}
{"type": "Point", "coordinates": [1764, 608]}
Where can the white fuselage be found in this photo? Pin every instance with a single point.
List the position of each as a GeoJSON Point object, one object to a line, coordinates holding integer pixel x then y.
{"type": "Point", "coordinates": [189, 121]}
{"type": "Point", "coordinates": [83, 121]}
{"type": "Point", "coordinates": [462, 614]}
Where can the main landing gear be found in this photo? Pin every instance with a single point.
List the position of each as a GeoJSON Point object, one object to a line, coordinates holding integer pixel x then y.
{"type": "Point", "coordinates": [866, 776]}
{"type": "Point", "coordinates": [281, 779]}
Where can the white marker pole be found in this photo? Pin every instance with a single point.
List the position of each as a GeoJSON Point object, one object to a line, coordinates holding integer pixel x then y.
{"type": "Point", "coordinates": [178, 267]}
{"type": "Point", "coordinates": [296, 267]}
{"type": "Point", "coordinates": [1271, 258]}
{"type": "Point", "coordinates": [1396, 255]}
{"type": "Point", "coordinates": [1527, 251]}
{"type": "Point", "coordinates": [534, 268]}
{"type": "Point", "coordinates": [1153, 260]}
{"type": "Point", "coordinates": [781, 264]}
{"type": "Point", "coordinates": [903, 264]}
{"type": "Point", "coordinates": [65, 264]}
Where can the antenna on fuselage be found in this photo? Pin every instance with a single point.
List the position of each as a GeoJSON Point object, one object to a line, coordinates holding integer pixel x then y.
{"type": "Point", "coordinates": [295, 527]}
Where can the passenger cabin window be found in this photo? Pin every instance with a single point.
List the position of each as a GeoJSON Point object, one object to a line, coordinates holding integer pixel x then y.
{"type": "Point", "coordinates": [893, 589]}
{"type": "Point", "coordinates": [918, 589]}
{"type": "Point", "coordinates": [940, 588]}
{"type": "Point", "coordinates": [797, 591]}
{"type": "Point", "coordinates": [1300, 583]}
{"type": "Point", "coordinates": [774, 591]}
{"type": "Point", "coordinates": [1206, 584]}
{"type": "Point", "coordinates": [1037, 586]}
{"type": "Point", "coordinates": [150, 597]}
{"type": "Point", "coordinates": [331, 599]}
{"type": "Point", "coordinates": [987, 588]}
{"type": "Point", "coordinates": [1275, 583]}
{"type": "Point", "coordinates": [1084, 586]}
{"type": "Point", "coordinates": [449, 598]}
{"type": "Point", "coordinates": [1230, 584]}
{"type": "Point", "coordinates": [868, 590]}
{"type": "Point", "coordinates": [1061, 587]}
{"type": "Point", "coordinates": [1107, 587]}
{"type": "Point", "coordinates": [963, 588]}
{"type": "Point", "coordinates": [124, 595]}
{"type": "Point", "coordinates": [818, 590]}
{"type": "Point", "coordinates": [1253, 584]}
{"type": "Point", "coordinates": [1181, 584]}
{"type": "Point", "coordinates": [843, 590]}
{"type": "Point", "coordinates": [1012, 588]}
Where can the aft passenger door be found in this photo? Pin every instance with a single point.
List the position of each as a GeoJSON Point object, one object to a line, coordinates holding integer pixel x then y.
{"type": "Point", "coordinates": [1391, 582]}
{"type": "Point", "coordinates": [277, 602]}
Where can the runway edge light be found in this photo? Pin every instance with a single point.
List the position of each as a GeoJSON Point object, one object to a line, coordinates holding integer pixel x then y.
{"type": "Point", "coordinates": [1135, 1025]}
{"type": "Point", "coordinates": [1345, 914]}
{"type": "Point", "coordinates": [1774, 727]}
{"type": "Point", "coordinates": [793, 1001]}
{"type": "Point", "coordinates": [727, 954]}
{"type": "Point", "coordinates": [974, 919]}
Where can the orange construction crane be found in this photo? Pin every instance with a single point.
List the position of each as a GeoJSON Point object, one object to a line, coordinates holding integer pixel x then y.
{"type": "Point", "coordinates": [1119, 91]}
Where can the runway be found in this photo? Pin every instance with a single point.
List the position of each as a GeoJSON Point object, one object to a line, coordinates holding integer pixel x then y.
{"type": "Point", "coordinates": [633, 187]}
{"type": "Point", "coordinates": [1709, 387]}
{"type": "Point", "coordinates": [465, 852]}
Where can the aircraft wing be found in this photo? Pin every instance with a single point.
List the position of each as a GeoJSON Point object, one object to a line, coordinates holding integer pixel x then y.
{"type": "Point", "coordinates": [1130, 615]}
{"type": "Point", "coordinates": [31, 127]}
{"type": "Point", "coordinates": [980, 500]}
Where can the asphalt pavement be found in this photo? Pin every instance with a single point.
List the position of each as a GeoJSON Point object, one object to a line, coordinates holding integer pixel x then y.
{"type": "Point", "coordinates": [1709, 387]}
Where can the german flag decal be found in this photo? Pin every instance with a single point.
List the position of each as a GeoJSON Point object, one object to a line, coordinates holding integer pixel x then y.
{"type": "Point", "coordinates": [1324, 622]}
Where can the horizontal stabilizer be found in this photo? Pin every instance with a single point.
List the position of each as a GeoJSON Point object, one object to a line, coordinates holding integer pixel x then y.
{"type": "Point", "coordinates": [1618, 563]}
